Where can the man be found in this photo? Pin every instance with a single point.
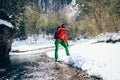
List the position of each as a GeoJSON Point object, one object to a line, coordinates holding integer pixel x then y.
{"type": "Point", "coordinates": [61, 38]}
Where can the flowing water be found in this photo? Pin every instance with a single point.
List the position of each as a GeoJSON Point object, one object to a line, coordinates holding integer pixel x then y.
{"type": "Point", "coordinates": [12, 67]}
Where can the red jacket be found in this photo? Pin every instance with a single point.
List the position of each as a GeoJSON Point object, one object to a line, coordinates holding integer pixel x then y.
{"type": "Point", "coordinates": [61, 34]}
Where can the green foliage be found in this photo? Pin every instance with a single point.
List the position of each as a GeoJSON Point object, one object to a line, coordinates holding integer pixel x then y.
{"type": "Point", "coordinates": [96, 16]}
{"type": "Point", "coordinates": [36, 22]}
{"type": "Point", "coordinates": [13, 7]}
{"type": "Point", "coordinates": [103, 15]}
{"type": "Point", "coordinates": [31, 19]}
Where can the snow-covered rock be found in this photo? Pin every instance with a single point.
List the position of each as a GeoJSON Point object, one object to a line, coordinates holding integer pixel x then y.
{"type": "Point", "coordinates": [108, 37]}
{"type": "Point", "coordinates": [6, 23]}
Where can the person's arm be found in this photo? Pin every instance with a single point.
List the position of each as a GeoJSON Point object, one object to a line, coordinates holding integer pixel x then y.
{"type": "Point", "coordinates": [65, 39]}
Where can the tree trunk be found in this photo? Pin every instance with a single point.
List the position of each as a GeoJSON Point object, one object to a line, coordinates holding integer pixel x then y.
{"type": "Point", "coordinates": [7, 35]}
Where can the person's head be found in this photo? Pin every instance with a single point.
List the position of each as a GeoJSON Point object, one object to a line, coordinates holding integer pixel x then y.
{"type": "Point", "coordinates": [63, 26]}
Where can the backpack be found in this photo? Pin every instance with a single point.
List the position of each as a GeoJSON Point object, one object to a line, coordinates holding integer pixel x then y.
{"type": "Point", "coordinates": [59, 34]}
{"type": "Point", "coordinates": [55, 35]}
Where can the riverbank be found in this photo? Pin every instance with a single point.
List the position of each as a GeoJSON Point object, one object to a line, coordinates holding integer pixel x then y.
{"type": "Point", "coordinates": [44, 68]}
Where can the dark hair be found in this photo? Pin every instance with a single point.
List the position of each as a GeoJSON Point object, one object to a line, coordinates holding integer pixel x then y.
{"type": "Point", "coordinates": [63, 25]}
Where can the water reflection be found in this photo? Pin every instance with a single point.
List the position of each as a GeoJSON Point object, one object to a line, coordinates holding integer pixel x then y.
{"type": "Point", "coordinates": [15, 66]}
{"type": "Point", "coordinates": [17, 60]}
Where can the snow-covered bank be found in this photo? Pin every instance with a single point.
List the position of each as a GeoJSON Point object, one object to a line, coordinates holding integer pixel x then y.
{"type": "Point", "coordinates": [30, 46]}
{"type": "Point", "coordinates": [32, 43]}
{"type": "Point", "coordinates": [101, 59]}
{"type": "Point", "coordinates": [108, 37]}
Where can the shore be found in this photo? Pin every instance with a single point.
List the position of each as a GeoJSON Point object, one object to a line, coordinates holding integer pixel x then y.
{"type": "Point", "coordinates": [45, 69]}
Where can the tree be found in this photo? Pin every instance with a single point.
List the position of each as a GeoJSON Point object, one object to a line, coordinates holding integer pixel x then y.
{"type": "Point", "coordinates": [13, 7]}
{"type": "Point", "coordinates": [6, 34]}
{"type": "Point", "coordinates": [9, 11]}
{"type": "Point", "coordinates": [104, 14]}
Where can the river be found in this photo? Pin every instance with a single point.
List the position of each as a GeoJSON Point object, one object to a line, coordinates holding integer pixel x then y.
{"type": "Point", "coordinates": [39, 67]}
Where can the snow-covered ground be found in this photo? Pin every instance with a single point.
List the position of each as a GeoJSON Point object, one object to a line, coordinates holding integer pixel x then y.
{"type": "Point", "coordinates": [101, 59]}
{"type": "Point", "coordinates": [31, 44]}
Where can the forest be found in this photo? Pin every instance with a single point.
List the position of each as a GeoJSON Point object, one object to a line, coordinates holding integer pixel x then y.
{"type": "Point", "coordinates": [93, 17]}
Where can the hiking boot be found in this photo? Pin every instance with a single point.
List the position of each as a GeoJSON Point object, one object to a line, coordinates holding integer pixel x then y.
{"type": "Point", "coordinates": [55, 60]}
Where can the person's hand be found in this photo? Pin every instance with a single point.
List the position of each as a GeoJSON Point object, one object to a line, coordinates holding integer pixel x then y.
{"type": "Point", "coordinates": [67, 44]}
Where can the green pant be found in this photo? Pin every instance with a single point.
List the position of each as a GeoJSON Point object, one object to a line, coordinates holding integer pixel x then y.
{"type": "Point", "coordinates": [63, 43]}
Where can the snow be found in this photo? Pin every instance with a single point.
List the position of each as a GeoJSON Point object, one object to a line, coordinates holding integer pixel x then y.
{"type": "Point", "coordinates": [106, 36]}
{"type": "Point", "coordinates": [6, 23]}
{"type": "Point", "coordinates": [100, 59]}
{"type": "Point", "coordinates": [73, 2]}
{"type": "Point", "coordinates": [30, 46]}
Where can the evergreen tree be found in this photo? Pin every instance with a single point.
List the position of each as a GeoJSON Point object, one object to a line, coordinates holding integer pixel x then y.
{"type": "Point", "coordinates": [13, 7]}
